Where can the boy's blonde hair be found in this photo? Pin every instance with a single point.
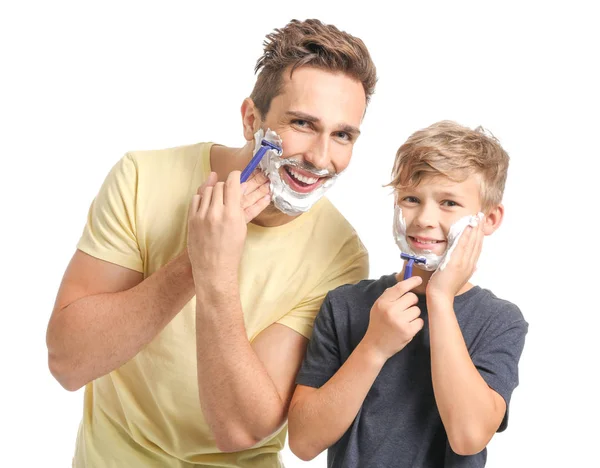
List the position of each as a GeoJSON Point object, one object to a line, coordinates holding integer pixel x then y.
{"type": "Point", "coordinates": [449, 149]}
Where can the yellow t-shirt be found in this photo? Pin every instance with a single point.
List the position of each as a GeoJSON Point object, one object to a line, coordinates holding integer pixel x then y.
{"type": "Point", "coordinates": [147, 413]}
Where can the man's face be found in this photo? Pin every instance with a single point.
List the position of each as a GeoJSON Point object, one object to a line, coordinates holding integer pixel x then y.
{"type": "Point", "coordinates": [317, 115]}
{"type": "Point", "coordinates": [432, 207]}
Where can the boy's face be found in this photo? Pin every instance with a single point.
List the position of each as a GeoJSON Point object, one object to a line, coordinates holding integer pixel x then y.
{"type": "Point", "coordinates": [432, 207]}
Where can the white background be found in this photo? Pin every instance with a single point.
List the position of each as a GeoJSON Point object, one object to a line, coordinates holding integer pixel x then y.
{"type": "Point", "coordinates": [81, 84]}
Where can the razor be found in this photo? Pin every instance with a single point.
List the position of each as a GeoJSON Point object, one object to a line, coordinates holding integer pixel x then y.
{"type": "Point", "coordinates": [264, 147]}
{"type": "Point", "coordinates": [411, 260]}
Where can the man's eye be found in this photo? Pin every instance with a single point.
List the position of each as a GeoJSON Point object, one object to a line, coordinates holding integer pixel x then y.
{"type": "Point", "coordinates": [300, 122]}
{"type": "Point", "coordinates": [343, 136]}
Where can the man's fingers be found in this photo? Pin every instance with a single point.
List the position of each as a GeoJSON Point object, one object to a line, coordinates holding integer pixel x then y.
{"type": "Point", "coordinates": [250, 198]}
{"type": "Point", "coordinates": [209, 182]}
{"type": "Point", "coordinates": [233, 190]}
{"type": "Point", "coordinates": [205, 201]}
{"type": "Point", "coordinates": [217, 195]}
{"type": "Point", "coordinates": [254, 210]}
{"type": "Point", "coordinates": [194, 205]}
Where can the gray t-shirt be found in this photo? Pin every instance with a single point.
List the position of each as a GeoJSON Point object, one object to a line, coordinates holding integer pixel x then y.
{"type": "Point", "coordinates": [399, 424]}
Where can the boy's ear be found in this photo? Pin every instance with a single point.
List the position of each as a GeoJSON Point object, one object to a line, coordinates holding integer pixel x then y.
{"type": "Point", "coordinates": [493, 220]}
{"type": "Point", "coordinates": [250, 119]}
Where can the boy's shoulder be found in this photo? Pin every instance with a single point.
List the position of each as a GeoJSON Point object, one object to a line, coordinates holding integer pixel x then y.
{"type": "Point", "coordinates": [363, 292]}
{"type": "Point", "coordinates": [485, 303]}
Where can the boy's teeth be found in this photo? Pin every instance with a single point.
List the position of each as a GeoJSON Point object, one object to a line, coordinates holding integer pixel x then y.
{"type": "Point", "coordinates": [301, 178]}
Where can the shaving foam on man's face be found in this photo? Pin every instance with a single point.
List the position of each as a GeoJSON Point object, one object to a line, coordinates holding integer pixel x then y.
{"type": "Point", "coordinates": [429, 219]}
{"type": "Point", "coordinates": [295, 185]}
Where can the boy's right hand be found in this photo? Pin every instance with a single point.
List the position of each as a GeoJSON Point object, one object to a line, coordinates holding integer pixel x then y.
{"type": "Point", "coordinates": [394, 319]}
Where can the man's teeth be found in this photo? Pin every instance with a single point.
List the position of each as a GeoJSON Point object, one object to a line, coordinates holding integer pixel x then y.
{"type": "Point", "coordinates": [301, 178]}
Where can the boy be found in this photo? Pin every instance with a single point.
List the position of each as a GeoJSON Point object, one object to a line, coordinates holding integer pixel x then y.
{"type": "Point", "coordinates": [418, 372]}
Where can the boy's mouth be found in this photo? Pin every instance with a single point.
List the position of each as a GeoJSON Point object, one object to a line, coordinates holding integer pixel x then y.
{"type": "Point", "coordinates": [299, 180]}
{"type": "Point", "coordinates": [426, 243]}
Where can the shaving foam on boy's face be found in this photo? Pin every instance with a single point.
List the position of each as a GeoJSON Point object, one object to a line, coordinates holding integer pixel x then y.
{"type": "Point", "coordinates": [433, 260]}
{"type": "Point", "coordinates": [295, 187]}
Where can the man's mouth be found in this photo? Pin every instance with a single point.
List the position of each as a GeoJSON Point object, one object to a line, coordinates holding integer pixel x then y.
{"type": "Point", "coordinates": [425, 243]}
{"type": "Point", "coordinates": [299, 180]}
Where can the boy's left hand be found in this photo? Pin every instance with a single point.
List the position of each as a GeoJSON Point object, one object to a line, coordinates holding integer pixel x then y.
{"type": "Point", "coordinates": [446, 283]}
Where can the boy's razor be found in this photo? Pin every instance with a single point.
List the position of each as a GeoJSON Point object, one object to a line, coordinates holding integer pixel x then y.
{"type": "Point", "coordinates": [411, 260]}
{"type": "Point", "coordinates": [264, 147]}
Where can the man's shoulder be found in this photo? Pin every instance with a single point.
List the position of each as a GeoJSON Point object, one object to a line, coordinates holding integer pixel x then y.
{"type": "Point", "coordinates": [169, 156]}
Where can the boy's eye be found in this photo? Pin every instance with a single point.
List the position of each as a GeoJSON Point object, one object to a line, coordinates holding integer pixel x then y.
{"type": "Point", "coordinates": [411, 199]}
{"type": "Point", "coordinates": [449, 203]}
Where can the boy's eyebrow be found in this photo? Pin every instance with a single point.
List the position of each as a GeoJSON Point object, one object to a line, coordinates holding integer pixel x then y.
{"type": "Point", "coordinates": [312, 119]}
{"type": "Point", "coordinates": [449, 194]}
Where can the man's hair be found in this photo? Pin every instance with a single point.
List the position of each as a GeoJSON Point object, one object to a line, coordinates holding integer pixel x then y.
{"type": "Point", "coordinates": [314, 44]}
{"type": "Point", "coordinates": [449, 149]}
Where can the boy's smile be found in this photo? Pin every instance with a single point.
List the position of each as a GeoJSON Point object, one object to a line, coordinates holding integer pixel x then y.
{"type": "Point", "coordinates": [433, 206]}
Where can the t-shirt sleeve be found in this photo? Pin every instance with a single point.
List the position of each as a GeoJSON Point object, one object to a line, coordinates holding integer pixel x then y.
{"type": "Point", "coordinates": [110, 231]}
{"type": "Point", "coordinates": [497, 360]}
{"type": "Point", "coordinates": [322, 359]}
{"type": "Point", "coordinates": [350, 266]}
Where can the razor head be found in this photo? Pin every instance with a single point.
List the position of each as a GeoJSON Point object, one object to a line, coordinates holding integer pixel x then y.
{"type": "Point", "coordinates": [405, 256]}
{"type": "Point", "coordinates": [273, 146]}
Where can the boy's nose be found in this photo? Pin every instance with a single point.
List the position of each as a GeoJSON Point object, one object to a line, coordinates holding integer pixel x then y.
{"type": "Point", "coordinates": [426, 217]}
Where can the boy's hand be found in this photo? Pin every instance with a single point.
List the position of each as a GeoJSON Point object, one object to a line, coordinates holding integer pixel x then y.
{"type": "Point", "coordinates": [445, 284]}
{"type": "Point", "coordinates": [394, 319]}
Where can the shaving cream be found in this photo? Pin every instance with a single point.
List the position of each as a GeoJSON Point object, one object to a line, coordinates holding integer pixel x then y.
{"type": "Point", "coordinates": [433, 261]}
{"type": "Point", "coordinates": [284, 198]}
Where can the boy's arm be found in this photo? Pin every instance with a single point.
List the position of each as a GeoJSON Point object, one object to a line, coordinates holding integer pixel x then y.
{"type": "Point", "coordinates": [318, 417]}
{"type": "Point", "coordinates": [470, 409]}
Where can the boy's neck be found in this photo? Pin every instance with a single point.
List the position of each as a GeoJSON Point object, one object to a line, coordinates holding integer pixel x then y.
{"type": "Point", "coordinates": [425, 276]}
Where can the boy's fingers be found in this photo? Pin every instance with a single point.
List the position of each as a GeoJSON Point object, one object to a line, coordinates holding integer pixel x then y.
{"type": "Point", "coordinates": [402, 287]}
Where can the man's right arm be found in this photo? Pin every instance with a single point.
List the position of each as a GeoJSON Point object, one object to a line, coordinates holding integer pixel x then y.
{"type": "Point", "coordinates": [105, 314]}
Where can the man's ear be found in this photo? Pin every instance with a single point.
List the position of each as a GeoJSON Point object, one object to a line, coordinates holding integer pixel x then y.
{"type": "Point", "coordinates": [251, 120]}
{"type": "Point", "coordinates": [493, 220]}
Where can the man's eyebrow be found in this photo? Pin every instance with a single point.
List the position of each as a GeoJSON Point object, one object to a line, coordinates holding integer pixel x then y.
{"type": "Point", "coordinates": [311, 118]}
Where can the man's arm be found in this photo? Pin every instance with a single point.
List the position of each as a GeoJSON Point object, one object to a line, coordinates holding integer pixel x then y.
{"type": "Point", "coordinates": [104, 314]}
{"type": "Point", "coordinates": [319, 417]}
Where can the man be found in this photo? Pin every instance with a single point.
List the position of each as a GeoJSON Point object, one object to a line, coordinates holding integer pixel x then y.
{"type": "Point", "coordinates": [186, 324]}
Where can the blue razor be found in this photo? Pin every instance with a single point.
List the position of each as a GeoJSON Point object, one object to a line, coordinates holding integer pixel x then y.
{"type": "Point", "coordinates": [264, 147]}
{"type": "Point", "coordinates": [411, 260]}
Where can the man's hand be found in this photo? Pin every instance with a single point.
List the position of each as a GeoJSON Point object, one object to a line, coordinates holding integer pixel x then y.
{"type": "Point", "coordinates": [445, 284]}
{"type": "Point", "coordinates": [217, 222]}
{"type": "Point", "coordinates": [394, 319]}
